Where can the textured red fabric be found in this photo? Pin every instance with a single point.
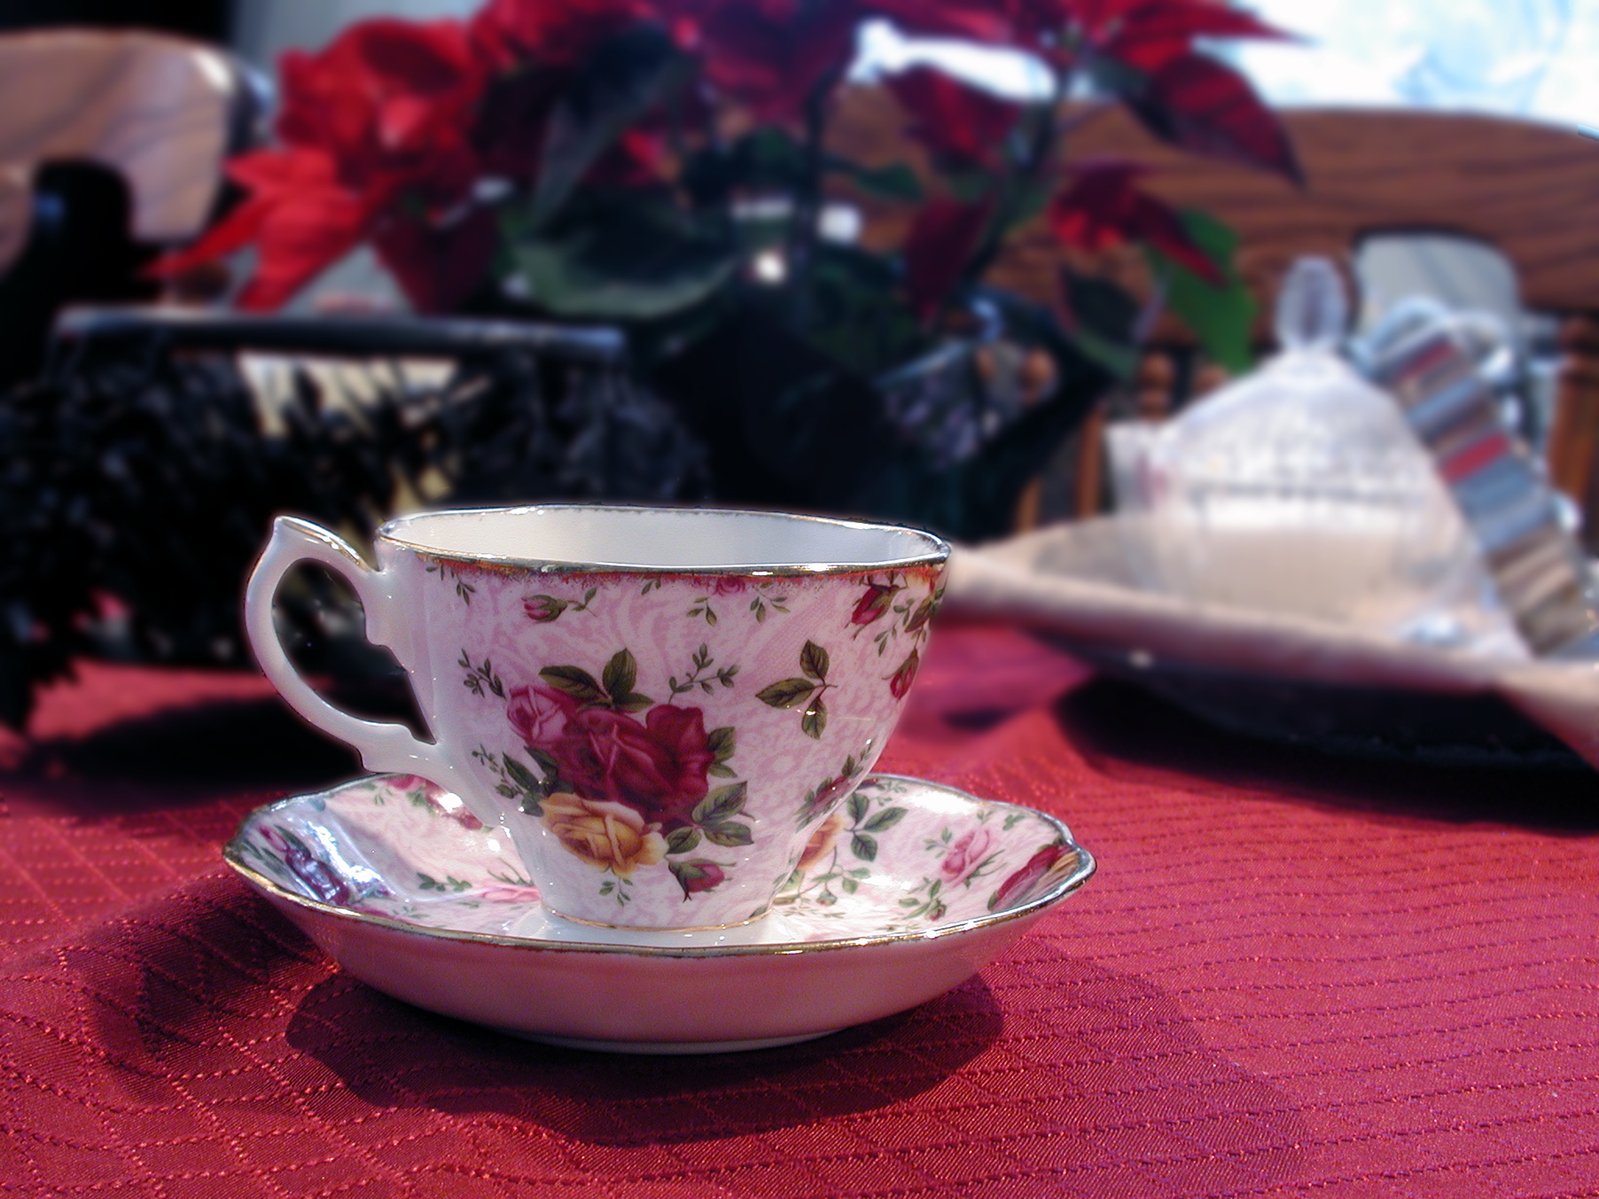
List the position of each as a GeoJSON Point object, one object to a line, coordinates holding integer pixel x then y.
{"type": "Point", "coordinates": [1292, 975]}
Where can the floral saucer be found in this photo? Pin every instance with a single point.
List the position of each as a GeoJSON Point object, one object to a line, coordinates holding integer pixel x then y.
{"type": "Point", "coordinates": [903, 893]}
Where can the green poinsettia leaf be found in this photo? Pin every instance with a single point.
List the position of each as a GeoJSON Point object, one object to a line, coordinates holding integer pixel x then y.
{"type": "Point", "coordinates": [1222, 317]}
{"type": "Point", "coordinates": [621, 80]}
{"type": "Point", "coordinates": [858, 319]}
{"type": "Point", "coordinates": [627, 259]}
{"type": "Point", "coordinates": [892, 181]}
{"type": "Point", "coordinates": [767, 157]}
{"type": "Point", "coordinates": [1101, 319]}
{"type": "Point", "coordinates": [786, 693]}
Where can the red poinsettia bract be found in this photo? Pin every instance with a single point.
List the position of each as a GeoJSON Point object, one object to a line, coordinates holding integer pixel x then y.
{"type": "Point", "coordinates": [1146, 33]}
{"type": "Point", "coordinates": [1185, 97]}
{"type": "Point", "coordinates": [1102, 208]}
{"type": "Point", "coordinates": [1206, 107]}
{"type": "Point", "coordinates": [942, 240]}
{"type": "Point", "coordinates": [953, 119]}
{"type": "Point", "coordinates": [770, 55]}
{"type": "Point", "coordinates": [511, 34]}
{"type": "Point", "coordinates": [374, 132]}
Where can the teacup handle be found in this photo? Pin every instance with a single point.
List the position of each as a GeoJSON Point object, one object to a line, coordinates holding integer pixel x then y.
{"type": "Point", "coordinates": [383, 746]}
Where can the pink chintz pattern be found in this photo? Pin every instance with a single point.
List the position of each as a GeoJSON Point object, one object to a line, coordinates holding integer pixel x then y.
{"type": "Point", "coordinates": [668, 738]}
{"type": "Point", "coordinates": [900, 855]}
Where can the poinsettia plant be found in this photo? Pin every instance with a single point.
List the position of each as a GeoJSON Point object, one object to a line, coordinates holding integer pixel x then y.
{"type": "Point", "coordinates": [665, 166]}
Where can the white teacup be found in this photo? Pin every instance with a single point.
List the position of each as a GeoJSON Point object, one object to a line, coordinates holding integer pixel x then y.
{"type": "Point", "coordinates": [657, 704]}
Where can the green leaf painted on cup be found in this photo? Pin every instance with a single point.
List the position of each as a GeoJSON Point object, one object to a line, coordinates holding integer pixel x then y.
{"type": "Point", "coordinates": [729, 834]}
{"type": "Point", "coordinates": [814, 722]}
{"type": "Point", "coordinates": [786, 693]}
{"type": "Point", "coordinates": [720, 805]}
{"type": "Point", "coordinates": [814, 662]}
{"type": "Point", "coordinates": [574, 681]}
{"type": "Point", "coordinates": [619, 675]}
{"type": "Point", "coordinates": [721, 742]}
{"type": "Point", "coordinates": [682, 840]}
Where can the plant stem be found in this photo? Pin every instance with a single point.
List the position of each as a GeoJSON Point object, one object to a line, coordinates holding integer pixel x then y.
{"type": "Point", "coordinates": [1030, 169]}
{"type": "Point", "coordinates": [807, 207]}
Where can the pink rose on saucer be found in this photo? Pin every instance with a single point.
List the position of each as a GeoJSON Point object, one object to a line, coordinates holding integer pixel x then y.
{"type": "Point", "coordinates": [966, 855]}
{"type": "Point", "coordinates": [1024, 881]}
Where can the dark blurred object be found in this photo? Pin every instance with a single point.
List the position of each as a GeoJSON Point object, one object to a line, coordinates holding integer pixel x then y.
{"type": "Point", "coordinates": [1522, 187]}
{"type": "Point", "coordinates": [141, 474]}
{"type": "Point", "coordinates": [209, 20]}
{"type": "Point", "coordinates": [111, 146]}
{"type": "Point", "coordinates": [948, 440]}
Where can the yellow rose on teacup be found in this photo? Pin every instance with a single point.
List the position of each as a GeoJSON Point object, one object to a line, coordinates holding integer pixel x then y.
{"type": "Point", "coordinates": [609, 835]}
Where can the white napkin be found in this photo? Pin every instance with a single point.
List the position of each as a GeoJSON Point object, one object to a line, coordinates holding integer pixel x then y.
{"type": "Point", "coordinates": [1074, 581]}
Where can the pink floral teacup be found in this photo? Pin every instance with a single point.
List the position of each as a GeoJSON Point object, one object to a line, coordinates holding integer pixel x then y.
{"type": "Point", "coordinates": [658, 705]}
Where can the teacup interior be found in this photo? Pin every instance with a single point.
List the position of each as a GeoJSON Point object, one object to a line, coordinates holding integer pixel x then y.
{"type": "Point", "coordinates": [662, 538]}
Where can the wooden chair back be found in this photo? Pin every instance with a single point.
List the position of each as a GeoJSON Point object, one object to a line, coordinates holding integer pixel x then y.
{"type": "Point", "coordinates": [159, 113]}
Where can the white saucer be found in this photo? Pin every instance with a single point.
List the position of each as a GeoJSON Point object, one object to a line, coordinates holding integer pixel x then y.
{"type": "Point", "coordinates": [907, 891]}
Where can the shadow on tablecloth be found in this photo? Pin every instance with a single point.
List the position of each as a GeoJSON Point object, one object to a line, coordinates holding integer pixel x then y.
{"type": "Point", "coordinates": [1131, 736]}
{"type": "Point", "coordinates": [211, 746]}
{"type": "Point", "coordinates": [390, 1054]}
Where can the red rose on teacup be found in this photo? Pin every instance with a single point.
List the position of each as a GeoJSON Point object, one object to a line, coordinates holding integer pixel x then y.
{"type": "Point", "coordinates": [825, 797]}
{"type": "Point", "coordinates": [539, 714]}
{"type": "Point", "coordinates": [542, 609]}
{"type": "Point", "coordinates": [659, 768]}
{"type": "Point", "coordinates": [698, 875]}
{"type": "Point", "coordinates": [877, 600]}
{"type": "Point", "coordinates": [900, 681]}
{"type": "Point", "coordinates": [966, 855]}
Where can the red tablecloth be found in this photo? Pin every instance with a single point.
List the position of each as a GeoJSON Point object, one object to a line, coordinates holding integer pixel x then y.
{"type": "Point", "coordinates": [1292, 975]}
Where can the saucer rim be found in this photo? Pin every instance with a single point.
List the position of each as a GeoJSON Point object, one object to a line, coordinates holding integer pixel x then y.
{"type": "Point", "coordinates": [1081, 872]}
